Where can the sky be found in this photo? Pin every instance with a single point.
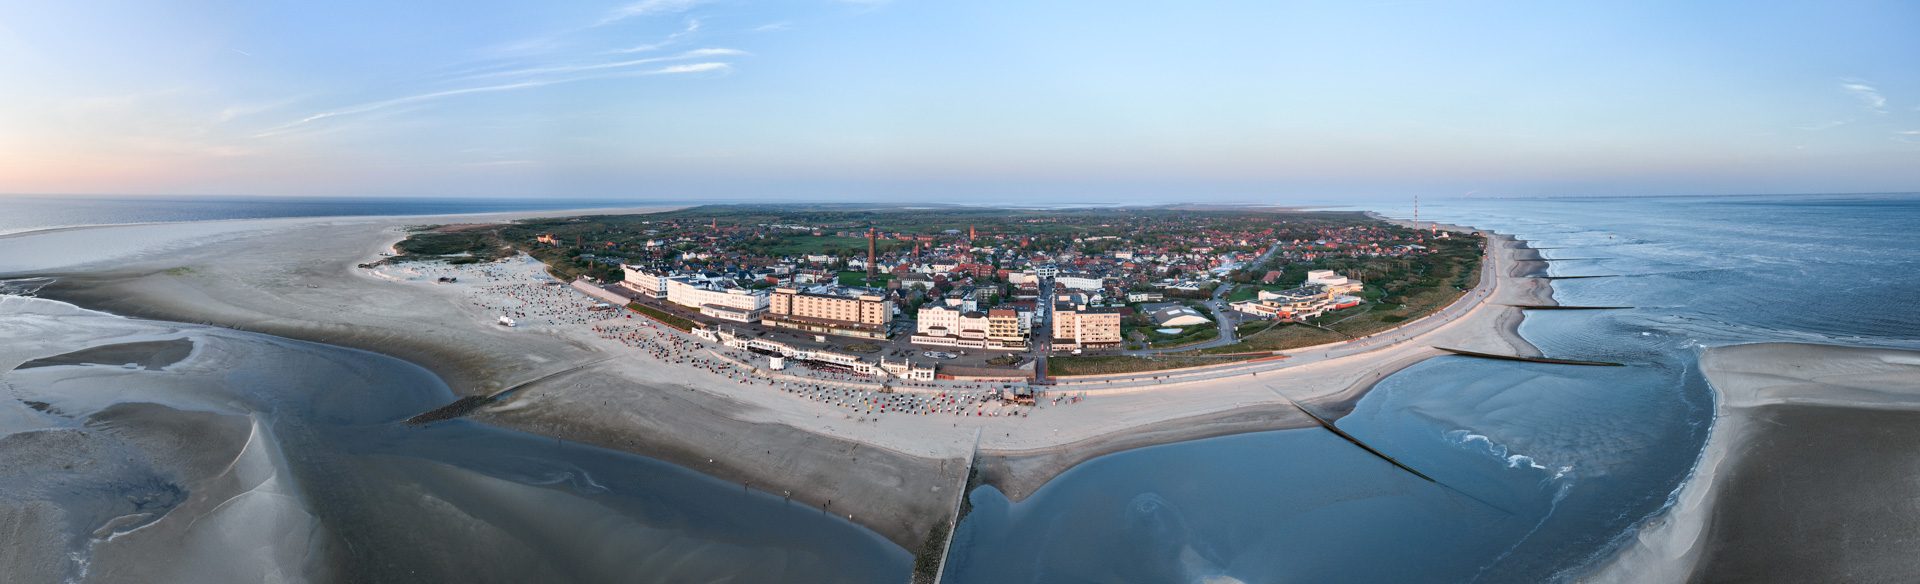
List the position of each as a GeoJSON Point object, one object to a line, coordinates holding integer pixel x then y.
{"type": "Point", "coordinates": [959, 101]}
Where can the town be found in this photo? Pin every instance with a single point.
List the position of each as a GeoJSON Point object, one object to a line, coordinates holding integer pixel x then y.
{"type": "Point", "coordinates": [992, 294]}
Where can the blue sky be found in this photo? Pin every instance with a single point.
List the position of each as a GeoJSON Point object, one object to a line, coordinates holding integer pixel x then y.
{"type": "Point", "coordinates": [982, 100]}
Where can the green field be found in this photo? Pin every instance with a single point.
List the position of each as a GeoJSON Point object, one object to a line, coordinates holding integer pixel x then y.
{"type": "Point", "coordinates": [663, 317]}
{"type": "Point", "coordinates": [805, 244]}
{"type": "Point", "coordinates": [1106, 365]}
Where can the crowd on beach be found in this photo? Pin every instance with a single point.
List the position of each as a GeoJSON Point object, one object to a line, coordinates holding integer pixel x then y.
{"type": "Point", "coordinates": [538, 303]}
{"type": "Point", "coordinates": [516, 288]}
{"type": "Point", "coordinates": [509, 270]}
{"type": "Point", "coordinates": [826, 385]}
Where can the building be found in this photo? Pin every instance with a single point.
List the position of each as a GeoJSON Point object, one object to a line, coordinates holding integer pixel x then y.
{"type": "Point", "coordinates": [1079, 281]}
{"type": "Point", "coordinates": [852, 312]}
{"type": "Point", "coordinates": [1298, 303]}
{"type": "Point", "coordinates": [953, 326]}
{"type": "Point", "coordinates": [777, 350]}
{"type": "Point", "coordinates": [644, 282]}
{"type": "Point", "coordinates": [911, 280]}
{"type": "Point", "coordinates": [1006, 329]}
{"type": "Point", "coordinates": [1145, 297]}
{"type": "Point", "coordinates": [1333, 283]}
{"type": "Point", "coordinates": [717, 299]}
{"type": "Point", "coordinates": [1179, 316]}
{"type": "Point", "coordinates": [1076, 328]}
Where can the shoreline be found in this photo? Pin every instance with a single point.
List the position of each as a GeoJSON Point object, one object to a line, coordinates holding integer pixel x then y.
{"type": "Point", "coordinates": [1720, 513]}
{"type": "Point", "coordinates": [296, 280]}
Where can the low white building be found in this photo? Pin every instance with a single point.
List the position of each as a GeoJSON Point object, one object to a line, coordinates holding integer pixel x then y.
{"type": "Point", "coordinates": [1179, 316]}
{"type": "Point", "coordinates": [1080, 281]}
{"type": "Point", "coordinates": [1332, 282]}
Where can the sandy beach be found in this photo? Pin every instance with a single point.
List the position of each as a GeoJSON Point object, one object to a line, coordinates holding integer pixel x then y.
{"type": "Point", "coordinates": [1806, 477]}
{"type": "Point", "coordinates": [896, 473]}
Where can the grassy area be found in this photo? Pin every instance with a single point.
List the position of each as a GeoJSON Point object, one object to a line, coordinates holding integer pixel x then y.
{"type": "Point", "coordinates": [851, 278]}
{"type": "Point", "coordinates": [479, 245]}
{"type": "Point", "coordinates": [1252, 291]}
{"type": "Point", "coordinates": [1285, 336]}
{"type": "Point", "coordinates": [1248, 328]}
{"type": "Point", "coordinates": [1107, 365]}
{"type": "Point", "coordinates": [1366, 319]}
{"type": "Point", "coordinates": [1151, 335]}
{"type": "Point", "coordinates": [663, 316]}
{"type": "Point", "coordinates": [1193, 334]}
{"type": "Point", "coordinates": [804, 244]}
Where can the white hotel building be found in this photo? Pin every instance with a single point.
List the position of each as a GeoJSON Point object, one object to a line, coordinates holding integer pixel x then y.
{"type": "Point", "coordinates": [712, 298]}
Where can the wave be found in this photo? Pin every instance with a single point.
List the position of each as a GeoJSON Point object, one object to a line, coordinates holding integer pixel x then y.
{"type": "Point", "coordinates": [1466, 439]}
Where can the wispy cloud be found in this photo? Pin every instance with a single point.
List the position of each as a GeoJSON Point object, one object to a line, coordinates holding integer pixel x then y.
{"type": "Point", "coordinates": [1866, 93]}
{"type": "Point", "coordinates": [694, 68]}
{"type": "Point", "coordinates": [692, 25]}
{"type": "Point", "coordinates": [380, 105]}
{"type": "Point", "coordinates": [696, 53]}
{"type": "Point", "coordinates": [1907, 132]}
{"type": "Point", "coordinates": [367, 107]}
{"type": "Point", "coordinates": [773, 27]}
{"type": "Point", "coordinates": [1818, 126]}
{"type": "Point", "coordinates": [646, 7]}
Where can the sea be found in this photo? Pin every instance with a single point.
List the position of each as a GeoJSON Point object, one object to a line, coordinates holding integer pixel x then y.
{"type": "Point", "coordinates": [1540, 471]}
{"type": "Point", "coordinates": [19, 213]}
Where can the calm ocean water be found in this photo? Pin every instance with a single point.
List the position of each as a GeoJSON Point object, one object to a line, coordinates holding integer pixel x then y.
{"type": "Point", "coordinates": [1550, 466]}
{"type": "Point", "coordinates": [27, 213]}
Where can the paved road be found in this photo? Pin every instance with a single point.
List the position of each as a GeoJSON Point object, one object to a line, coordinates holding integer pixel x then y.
{"type": "Point", "coordinates": [1041, 337]}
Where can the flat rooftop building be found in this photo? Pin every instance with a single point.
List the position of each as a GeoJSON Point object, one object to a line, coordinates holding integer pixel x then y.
{"type": "Point", "coordinates": [1076, 328]}
{"type": "Point", "coordinates": [853, 312]}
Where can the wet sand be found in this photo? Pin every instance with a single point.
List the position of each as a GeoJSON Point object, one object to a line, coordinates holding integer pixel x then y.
{"type": "Point", "coordinates": [150, 355]}
{"type": "Point", "coordinates": [1807, 476]}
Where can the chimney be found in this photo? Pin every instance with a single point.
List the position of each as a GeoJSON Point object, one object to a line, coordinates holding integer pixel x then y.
{"type": "Point", "coordinates": [870, 258]}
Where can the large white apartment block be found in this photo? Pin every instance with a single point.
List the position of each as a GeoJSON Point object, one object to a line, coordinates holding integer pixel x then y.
{"type": "Point", "coordinates": [726, 303]}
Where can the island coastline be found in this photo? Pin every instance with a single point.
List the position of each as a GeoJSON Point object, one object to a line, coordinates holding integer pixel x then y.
{"type": "Point", "coordinates": [286, 282]}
